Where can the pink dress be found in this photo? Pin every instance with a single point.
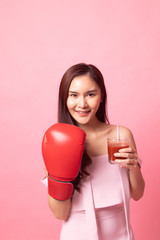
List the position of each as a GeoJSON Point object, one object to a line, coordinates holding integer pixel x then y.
{"type": "Point", "coordinates": [101, 210]}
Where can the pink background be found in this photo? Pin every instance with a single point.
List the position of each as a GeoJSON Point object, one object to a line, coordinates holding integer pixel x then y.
{"type": "Point", "coordinates": [39, 41]}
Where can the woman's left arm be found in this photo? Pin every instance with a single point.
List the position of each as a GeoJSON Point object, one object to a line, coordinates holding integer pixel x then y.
{"type": "Point", "coordinates": [137, 183]}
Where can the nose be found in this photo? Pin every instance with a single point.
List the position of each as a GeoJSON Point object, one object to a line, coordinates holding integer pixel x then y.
{"type": "Point", "coordinates": [82, 103]}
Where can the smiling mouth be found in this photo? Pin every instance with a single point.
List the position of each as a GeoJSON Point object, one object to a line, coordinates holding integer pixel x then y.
{"type": "Point", "coordinates": [83, 112]}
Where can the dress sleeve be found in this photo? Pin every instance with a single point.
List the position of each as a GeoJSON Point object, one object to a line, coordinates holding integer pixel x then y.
{"type": "Point", "coordinates": [44, 180]}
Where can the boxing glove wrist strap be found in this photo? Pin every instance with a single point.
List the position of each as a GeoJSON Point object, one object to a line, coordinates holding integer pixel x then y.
{"type": "Point", "coordinates": [60, 190]}
{"type": "Point", "coordinates": [73, 181]}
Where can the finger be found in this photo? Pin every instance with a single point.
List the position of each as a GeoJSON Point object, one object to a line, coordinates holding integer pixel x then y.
{"type": "Point", "coordinates": [127, 161]}
{"type": "Point", "coordinates": [131, 150]}
{"type": "Point", "coordinates": [129, 166]}
{"type": "Point", "coordinates": [125, 155]}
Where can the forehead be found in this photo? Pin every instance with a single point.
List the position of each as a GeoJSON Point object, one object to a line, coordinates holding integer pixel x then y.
{"type": "Point", "coordinates": [84, 82]}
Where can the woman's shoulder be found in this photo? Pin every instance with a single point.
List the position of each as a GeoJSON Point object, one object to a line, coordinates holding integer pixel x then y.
{"type": "Point", "coordinates": [123, 130]}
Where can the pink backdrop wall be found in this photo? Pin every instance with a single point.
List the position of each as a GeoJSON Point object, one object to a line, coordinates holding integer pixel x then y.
{"type": "Point", "coordinates": [39, 41]}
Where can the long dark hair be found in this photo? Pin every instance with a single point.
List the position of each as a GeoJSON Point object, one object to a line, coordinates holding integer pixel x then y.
{"type": "Point", "coordinates": [63, 113]}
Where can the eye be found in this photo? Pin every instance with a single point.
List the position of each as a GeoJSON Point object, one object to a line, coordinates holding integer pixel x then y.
{"type": "Point", "coordinates": [74, 95]}
{"type": "Point", "coordinates": [91, 94]}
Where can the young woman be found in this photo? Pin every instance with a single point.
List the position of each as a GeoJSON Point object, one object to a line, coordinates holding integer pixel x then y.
{"type": "Point", "coordinates": [99, 207]}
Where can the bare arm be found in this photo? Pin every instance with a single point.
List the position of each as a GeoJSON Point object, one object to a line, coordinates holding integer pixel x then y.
{"type": "Point", "coordinates": [60, 209]}
{"type": "Point", "coordinates": [137, 183]}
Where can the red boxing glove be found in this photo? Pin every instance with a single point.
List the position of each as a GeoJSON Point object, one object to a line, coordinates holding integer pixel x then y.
{"type": "Point", "coordinates": [62, 150]}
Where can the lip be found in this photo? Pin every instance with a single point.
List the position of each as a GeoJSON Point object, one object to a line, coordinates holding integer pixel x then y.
{"type": "Point", "coordinates": [82, 113]}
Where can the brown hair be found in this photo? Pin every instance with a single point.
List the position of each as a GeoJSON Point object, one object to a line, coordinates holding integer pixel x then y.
{"type": "Point", "coordinates": [63, 113]}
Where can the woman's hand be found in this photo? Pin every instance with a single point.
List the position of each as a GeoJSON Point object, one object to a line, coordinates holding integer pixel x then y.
{"type": "Point", "coordinates": [130, 162]}
{"type": "Point", "coordinates": [130, 158]}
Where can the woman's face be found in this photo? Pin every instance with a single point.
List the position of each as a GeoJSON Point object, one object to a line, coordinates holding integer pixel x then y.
{"type": "Point", "coordinates": [83, 100]}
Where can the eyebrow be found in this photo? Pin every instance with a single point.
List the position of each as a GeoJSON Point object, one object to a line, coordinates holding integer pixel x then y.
{"type": "Point", "coordinates": [91, 91]}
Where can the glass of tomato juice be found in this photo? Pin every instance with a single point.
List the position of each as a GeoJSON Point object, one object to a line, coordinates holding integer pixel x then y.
{"type": "Point", "coordinates": [114, 145]}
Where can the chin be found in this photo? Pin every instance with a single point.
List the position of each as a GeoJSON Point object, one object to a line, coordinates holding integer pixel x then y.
{"type": "Point", "coordinates": [81, 122]}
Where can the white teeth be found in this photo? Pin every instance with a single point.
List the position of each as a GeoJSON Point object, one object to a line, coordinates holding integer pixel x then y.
{"type": "Point", "coordinates": [82, 112]}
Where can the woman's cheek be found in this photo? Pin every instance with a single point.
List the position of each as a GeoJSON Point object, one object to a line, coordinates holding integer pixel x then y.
{"type": "Point", "coordinates": [70, 103]}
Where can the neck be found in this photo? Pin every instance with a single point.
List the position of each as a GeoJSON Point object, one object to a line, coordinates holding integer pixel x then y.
{"type": "Point", "coordinates": [92, 126]}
